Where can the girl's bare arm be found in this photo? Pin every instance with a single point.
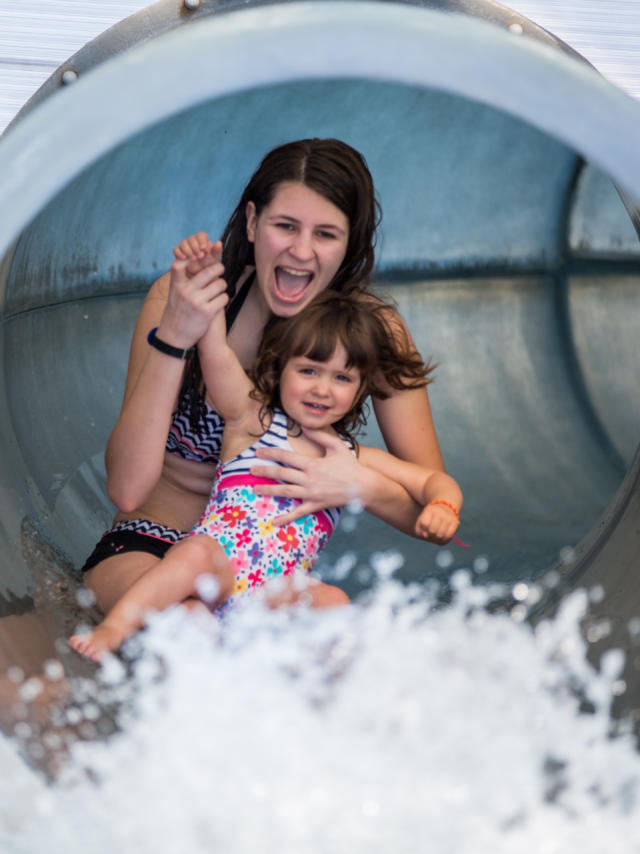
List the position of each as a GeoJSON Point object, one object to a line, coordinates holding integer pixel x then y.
{"type": "Point", "coordinates": [437, 492]}
{"type": "Point", "coordinates": [226, 381]}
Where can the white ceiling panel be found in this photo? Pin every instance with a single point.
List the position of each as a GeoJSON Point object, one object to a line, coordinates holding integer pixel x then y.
{"type": "Point", "coordinates": [36, 36]}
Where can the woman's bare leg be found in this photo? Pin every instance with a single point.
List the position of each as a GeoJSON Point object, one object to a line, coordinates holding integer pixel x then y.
{"type": "Point", "coordinates": [110, 579]}
{"type": "Point", "coordinates": [164, 582]}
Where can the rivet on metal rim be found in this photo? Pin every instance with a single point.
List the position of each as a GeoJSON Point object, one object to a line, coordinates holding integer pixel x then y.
{"type": "Point", "coordinates": [69, 76]}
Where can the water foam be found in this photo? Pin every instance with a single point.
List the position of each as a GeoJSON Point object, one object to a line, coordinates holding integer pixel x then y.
{"type": "Point", "coordinates": [388, 726]}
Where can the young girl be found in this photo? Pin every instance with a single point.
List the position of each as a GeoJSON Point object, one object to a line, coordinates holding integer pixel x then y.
{"type": "Point", "coordinates": [310, 382]}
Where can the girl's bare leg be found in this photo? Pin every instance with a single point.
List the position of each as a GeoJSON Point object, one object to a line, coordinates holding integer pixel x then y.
{"type": "Point", "coordinates": [164, 582]}
{"type": "Point", "coordinates": [310, 591]}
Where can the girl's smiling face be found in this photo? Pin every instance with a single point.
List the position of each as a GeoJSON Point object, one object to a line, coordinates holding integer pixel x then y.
{"type": "Point", "coordinates": [300, 240]}
{"type": "Point", "coordinates": [318, 394]}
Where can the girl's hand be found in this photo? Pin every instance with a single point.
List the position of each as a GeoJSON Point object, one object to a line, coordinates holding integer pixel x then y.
{"type": "Point", "coordinates": [193, 301]}
{"type": "Point", "coordinates": [198, 250]}
{"type": "Point", "coordinates": [195, 246]}
{"type": "Point", "coordinates": [318, 482]}
{"type": "Point", "coordinates": [437, 523]}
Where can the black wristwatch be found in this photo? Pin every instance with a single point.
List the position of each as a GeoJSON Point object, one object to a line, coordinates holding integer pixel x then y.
{"type": "Point", "coordinates": [167, 349]}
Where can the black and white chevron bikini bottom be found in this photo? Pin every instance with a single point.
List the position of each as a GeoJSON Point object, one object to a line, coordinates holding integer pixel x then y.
{"type": "Point", "coordinates": [134, 535]}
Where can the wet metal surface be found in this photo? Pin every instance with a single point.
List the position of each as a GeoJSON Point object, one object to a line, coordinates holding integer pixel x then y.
{"type": "Point", "coordinates": [514, 264]}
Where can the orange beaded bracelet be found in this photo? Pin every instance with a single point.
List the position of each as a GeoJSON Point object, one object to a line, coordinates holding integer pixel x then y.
{"type": "Point", "coordinates": [446, 504]}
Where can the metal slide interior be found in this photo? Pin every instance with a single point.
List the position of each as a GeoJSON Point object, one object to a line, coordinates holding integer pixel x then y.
{"type": "Point", "coordinates": [506, 246]}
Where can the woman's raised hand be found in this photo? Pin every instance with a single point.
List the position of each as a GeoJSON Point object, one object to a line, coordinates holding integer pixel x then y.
{"type": "Point", "coordinates": [318, 482]}
{"type": "Point", "coordinates": [197, 292]}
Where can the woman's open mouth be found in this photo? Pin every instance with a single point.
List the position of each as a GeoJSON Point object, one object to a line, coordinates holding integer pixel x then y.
{"type": "Point", "coordinates": [290, 284]}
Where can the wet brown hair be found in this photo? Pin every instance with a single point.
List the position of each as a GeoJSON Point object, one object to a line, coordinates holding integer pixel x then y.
{"type": "Point", "coordinates": [330, 168]}
{"type": "Point", "coordinates": [361, 323]}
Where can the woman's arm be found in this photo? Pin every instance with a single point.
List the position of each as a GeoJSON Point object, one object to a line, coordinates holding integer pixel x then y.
{"type": "Point", "coordinates": [404, 416]}
{"type": "Point", "coordinates": [407, 427]}
{"type": "Point", "coordinates": [437, 492]}
{"type": "Point", "coordinates": [181, 307]}
{"type": "Point", "coordinates": [334, 480]}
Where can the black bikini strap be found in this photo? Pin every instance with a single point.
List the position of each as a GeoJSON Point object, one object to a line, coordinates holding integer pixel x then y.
{"type": "Point", "coordinates": [233, 308]}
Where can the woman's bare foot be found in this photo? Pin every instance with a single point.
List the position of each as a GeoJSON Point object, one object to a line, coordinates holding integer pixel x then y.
{"type": "Point", "coordinates": [105, 638]}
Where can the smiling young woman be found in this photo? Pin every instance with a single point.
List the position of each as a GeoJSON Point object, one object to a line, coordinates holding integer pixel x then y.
{"type": "Point", "coordinates": [300, 240]}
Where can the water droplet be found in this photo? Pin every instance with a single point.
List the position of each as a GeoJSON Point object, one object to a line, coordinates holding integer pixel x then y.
{"type": "Point", "coordinates": [460, 580]}
{"type": "Point", "coordinates": [22, 730]}
{"type": "Point", "coordinates": [15, 675]}
{"type": "Point", "coordinates": [481, 564]}
{"type": "Point", "coordinates": [343, 566]}
{"type": "Point", "coordinates": [518, 613]}
{"type": "Point", "coordinates": [53, 741]}
{"type": "Point", "coordinates": [444, 559]}
{"type": "Point", "coordinates": [348, 522]}
{"type": "Point", "coordinates": [520, 591]}
{"type": "Point", "coordinates": [207, 587]}
{"type": "Point", "coordinates": [535, 595]}
{"type": "Point", "coordinates": [597, 631]}
{"type": "Point", "coordinates": [91, 711]}
{"type": "Point", "coordinates": [73, 716]}
{"type": "Point", "coordinates": [85, 597]}
{"type": "Point", "coordinates": [551, 579]}
{"type": "Point", "coordinates": [53, 670]}
{"type": "Point", "coordinates": [30, 689]}
{"type": "Point", "coordinates": [386, 563]}
{"type": "Point", "coordinates": [567, 555]}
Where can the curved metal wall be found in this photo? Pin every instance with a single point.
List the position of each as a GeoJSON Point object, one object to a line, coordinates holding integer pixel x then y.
{"type": "Point", "coordinates": [475, 137]}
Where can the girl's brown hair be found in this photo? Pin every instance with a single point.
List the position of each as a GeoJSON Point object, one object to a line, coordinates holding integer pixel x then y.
{"type": "Point", "coordinates": [360, 322]}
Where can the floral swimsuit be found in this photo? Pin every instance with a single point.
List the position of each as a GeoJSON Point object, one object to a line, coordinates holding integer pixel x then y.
{"type": "Point", "coordinates": [242, 522]}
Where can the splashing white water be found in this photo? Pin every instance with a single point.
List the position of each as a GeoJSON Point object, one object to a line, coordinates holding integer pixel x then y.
{"type": "Point", "coordinates": [388, 726]}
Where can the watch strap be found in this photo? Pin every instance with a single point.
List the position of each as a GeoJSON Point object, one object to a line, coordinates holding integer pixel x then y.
{"type": "Point", "coordinates": [168, 349]}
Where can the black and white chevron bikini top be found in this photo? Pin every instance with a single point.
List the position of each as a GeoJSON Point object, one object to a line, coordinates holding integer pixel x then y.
{"type": "Point", "coordinates": [203, 445]}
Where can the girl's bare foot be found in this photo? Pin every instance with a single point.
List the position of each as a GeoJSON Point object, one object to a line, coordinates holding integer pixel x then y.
{"type": "Point", "coordinates": [107, 637]}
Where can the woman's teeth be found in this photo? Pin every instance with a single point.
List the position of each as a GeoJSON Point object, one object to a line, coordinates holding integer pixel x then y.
{"type": "Point", "coordinates": [292, 283]}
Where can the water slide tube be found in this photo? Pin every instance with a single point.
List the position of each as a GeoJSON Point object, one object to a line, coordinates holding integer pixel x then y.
{"type": "Point", "coordinates": [508, 172]}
